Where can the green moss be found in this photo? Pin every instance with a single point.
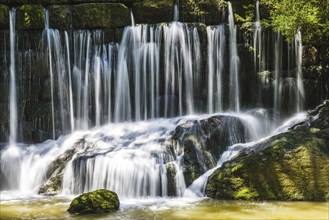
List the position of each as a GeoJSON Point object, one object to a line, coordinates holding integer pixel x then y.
{"type": "Point", "coordinates": [30, 16]}
{"type": "Point", "coordinates": [237, 167]}
{"type": "Point", "coordinates": [4, 18]}
{"type": "Point", "coordinates": [292, 166]}
{"type": "Point", "coordinates": [98, 201]}
{"type": "Point", "coordinates": [245, 193]}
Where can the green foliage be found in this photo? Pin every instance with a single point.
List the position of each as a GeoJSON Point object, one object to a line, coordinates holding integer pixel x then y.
{"type": "Point", "coordinates": [308, 16]}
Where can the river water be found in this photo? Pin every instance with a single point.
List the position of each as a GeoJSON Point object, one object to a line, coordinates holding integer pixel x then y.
{"type": "Point", "coordinates": [166, 208]}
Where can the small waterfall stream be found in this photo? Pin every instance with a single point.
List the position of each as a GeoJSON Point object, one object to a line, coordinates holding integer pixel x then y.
{"type": "Point", "coordinates": [12, 93]}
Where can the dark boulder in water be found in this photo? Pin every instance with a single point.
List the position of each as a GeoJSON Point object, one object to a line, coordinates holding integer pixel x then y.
{"type": "Point", "coordinates": [99, 201]}
{"type": "Point", "coordinates": [289, 166]}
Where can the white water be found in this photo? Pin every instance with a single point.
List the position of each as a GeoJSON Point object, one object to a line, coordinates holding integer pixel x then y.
{"type": "Point", "coordinates": [259, 55]}
{"type": "Point", "coordinates": [277, 79]}
{"type": "Point", "coordinates": [47, 30]}
{"type": "Point", "coordinates": [234, 63]}
{"type": "Point", "coordinates": [12, 94]}
{"type": "Point", "coordinates": [216, 50]}
{"type": "Point", "coordinates": [300, 85]}
{"type": "Point", "coordinates": [129, 158]}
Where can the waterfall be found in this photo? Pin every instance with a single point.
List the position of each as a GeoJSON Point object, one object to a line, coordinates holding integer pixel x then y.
{"type": "Point", "coordinates": [176, 11]}
{"type": "Point", "coordinates": [277, 79]}
{"type": "Point", "coordinates": [67, 45]}
{"type": "Point", "coordinates": [234, 64]}
{"type": "Point", "coordinates": [12, 94]}
{"type": "Point", "coordinates": [299, 75]}
{"type": "Point", "coordinates": [259, 55]}
{"type": "Point", "coordinates": [216, 49]}
{"type": "Point", "coordinates": [51, 74]}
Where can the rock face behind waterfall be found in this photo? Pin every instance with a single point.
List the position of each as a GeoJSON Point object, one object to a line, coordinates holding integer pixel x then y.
{"type": "Point", "coordinates": [290, 166]}
{"type": "Point", "coordinates": [98, 201]}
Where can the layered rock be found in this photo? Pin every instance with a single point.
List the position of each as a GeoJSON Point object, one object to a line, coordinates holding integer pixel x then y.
{"type": "Point", "coordinates": [290, 166]}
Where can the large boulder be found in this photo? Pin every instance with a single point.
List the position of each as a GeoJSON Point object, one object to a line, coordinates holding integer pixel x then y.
{"type": "Point", "coordinates": [201, 142]}
{"type": "Point", "coordinates": [290, 166]}
{"type": "Point", "coordinates": [99, 201]}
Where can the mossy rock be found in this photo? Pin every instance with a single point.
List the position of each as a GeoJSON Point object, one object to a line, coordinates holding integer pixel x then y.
{"type": "Point", "coordinates": [100, 15]}
{"type": "Point", "coordinates": [99, 201]}
{"type": "Point", "coordinates": [291, 166]}
{"type": "Point", "coordinates": [148, 11]}
{"type": "Point", "coordinates": [30, 17]}
{"type": "Point", "coordinates": [205, 11]}
{"type": "Point", "coordinates": [4, 17]}
{"type": "Point", "coordinates": [43, 2]}
{"type": "Point", "coordinates": [60, 17]}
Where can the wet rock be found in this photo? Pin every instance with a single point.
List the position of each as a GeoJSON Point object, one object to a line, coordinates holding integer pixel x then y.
{"type": "Point", "coordinates": [30, 17]}
{"type": "Point", "coordinates": [43, 2]}
{"type": "Point", "coordinates": [171, 178]}
{"type": "Point", "coordinates": [60, 17]}
{"type": "Point", "coordinates": [290, 166]}
{"type": "Point", "coordinates": [147, 11]}
{"type": "Point", "coordinates": [53, 185]}
{"type": "Point", "coordinates": [4, 17]}
{"type": "Point", "coordinates": [202, 142]}
{"type": "Point", "coordinates": [100, 15]}
{"type": "Point", "coordinates": [208, 12]}
{"type": "Point", "coordinates": [99, 201]}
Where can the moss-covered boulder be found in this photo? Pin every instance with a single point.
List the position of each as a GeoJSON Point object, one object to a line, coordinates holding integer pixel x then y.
{"type": "Point", "coordinates": [100, 15]}
{"type": "Point", "coordinates": [290, 166]}
{"type": "Point", "coordinates": [99, 201]}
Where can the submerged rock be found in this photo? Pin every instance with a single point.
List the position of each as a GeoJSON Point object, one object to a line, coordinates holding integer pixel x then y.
{"type": "Point", "coordinates": [99, 201]}
{"type": "Point", "coordinates": [289, 166]}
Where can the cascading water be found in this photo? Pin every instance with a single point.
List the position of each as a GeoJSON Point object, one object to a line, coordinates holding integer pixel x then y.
{"type": "Point", "coordinates": [259, 55]}
{"type": "Point", "coordinates": [51, 75]}
{"type": "Point", "coordinates": [300, 85]}
{"type": "Point", "coordinates": [216, 49]}
{"type": "Point", "coordinates": [278, 79]}
{"type": "Point", "coordinates": [13, 98]}
{"type": "Point", "coordinates": [234, 63]}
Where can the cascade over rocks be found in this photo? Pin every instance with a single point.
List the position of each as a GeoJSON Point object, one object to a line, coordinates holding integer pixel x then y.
{"type": "Point", "coordinates": [289, 166]}
{"type": "Point", "coordinates": [99, 201]}
{"type": "Point", "coordinates": [198, 142]}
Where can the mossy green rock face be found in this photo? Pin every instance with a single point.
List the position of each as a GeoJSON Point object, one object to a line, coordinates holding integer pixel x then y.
{"type": "Point", "coordinates": [148, 11]}
{"type": "Point", "coordinates": [291, 166]}
{"type": "Point", "coordinates": [100, 15]}
{"type": "Point", "coordinates": [60, 17]}
{"type": "Point", "coordinates": [4, 17]}
{"type": "Point", "coordinates": [30, 17]}
{"type": "Point", "coordinates": [98, 201]}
